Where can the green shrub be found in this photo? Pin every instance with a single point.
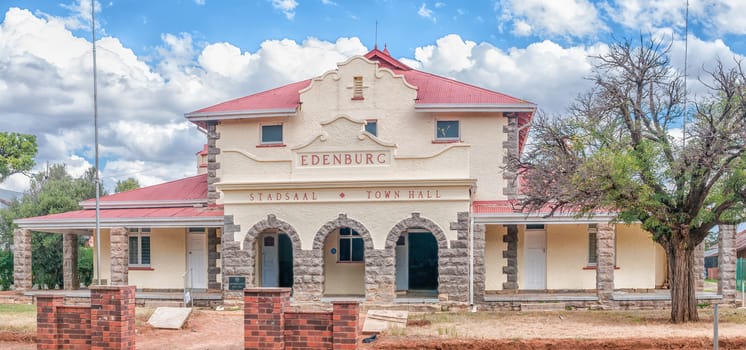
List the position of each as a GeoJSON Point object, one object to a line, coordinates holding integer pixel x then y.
{"type": "Point", "coordinates": [6, 269]}
{"type": "Point", "coordinates": [85, 265]}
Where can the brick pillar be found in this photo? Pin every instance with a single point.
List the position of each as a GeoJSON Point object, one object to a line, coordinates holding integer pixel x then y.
{"type": "Point", "coordinates": [699, 267]}
{"type": "Point", "coordinates": [511, 255]}
{"type": "Point", "coordinates": [119, 255]}
{"type": "Point", "coordinates": [22, 275]}
{"type": "Point", "coordinates": [70, 261]}
{"type": "Point", "coordinates": [727, 263]}
{"type": "Point", "coordinates": [113, 318]}
{"type": "Point", "coordinates": [605, 261]}
{"type": "Point", "coordinates": [264, 317]}
{"type": "Point", "coordinates": [345, 325]}
{"type": "Point", "coordinates": [46, 321]}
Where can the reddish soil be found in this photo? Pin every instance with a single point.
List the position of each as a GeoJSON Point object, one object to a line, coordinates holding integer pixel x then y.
{"type": "Point", "coordinates": [559, 344]}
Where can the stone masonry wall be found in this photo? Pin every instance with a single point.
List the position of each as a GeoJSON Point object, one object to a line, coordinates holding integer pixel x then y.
{"type": "Point", "coordinates": [212, 162]}
{"type": "Point", "coordinates": [510, 155]}
{"type": "Point", "coordinates": [605, 252]}
{"type": "Point", "coordinates": [511, 255]}
{"type": "Point", "coordinates": [213, 255]}
{"type": "Point", "coordinates": [727, 263]}
{"type": "Point", "coordinates": [235, 262]}
{"type": "Point", "coordinates": [70, 261]}
{"type": "Point", "coordinates": [268, 325]}
{"type": "Point", "coordinates": [699, 267]}
{"type": "Point", "coordinates": [109, 323]}
{"type": "Point", "coordinates": [22, 277]}
{"type": "Point", "coordinates": [119, 238]}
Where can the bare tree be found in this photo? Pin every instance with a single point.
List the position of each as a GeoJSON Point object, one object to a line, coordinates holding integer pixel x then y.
{"type": "Point", "coordinates": [620, 148]}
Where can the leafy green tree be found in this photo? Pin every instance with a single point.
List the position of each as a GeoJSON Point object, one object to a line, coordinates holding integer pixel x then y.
{"type": "Point", "coordinates": [51, 192]}
{"type": "Point", "coordinates": [127, 185]}
{"type": "Point", "coordinates": [17, 152]}
{"type": "Point", "coordinates": [615, 149]}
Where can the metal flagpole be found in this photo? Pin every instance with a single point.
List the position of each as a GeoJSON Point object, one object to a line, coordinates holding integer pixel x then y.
{"type": "Point", "coordinates": [95, 137]}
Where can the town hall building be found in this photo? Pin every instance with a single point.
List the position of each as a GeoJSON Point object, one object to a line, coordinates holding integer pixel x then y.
{"type": "Point", "coordinates": [373, 181]}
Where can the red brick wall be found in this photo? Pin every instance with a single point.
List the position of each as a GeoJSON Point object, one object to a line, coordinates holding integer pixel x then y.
{"type": "Point", "coordinates": [74, 327]}
{"type": "Point", "coordinates": [267, 324]}
{"type": "Point", "coordinates": [308, 330]}
{"type": "Point", "coordinates": [109, 323]}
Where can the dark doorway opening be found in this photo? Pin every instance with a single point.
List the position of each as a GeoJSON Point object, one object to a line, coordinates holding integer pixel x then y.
{"type": "Point", "coordinates": [423, 261]}
{"type": "Point", "coordinates": [285, 260]}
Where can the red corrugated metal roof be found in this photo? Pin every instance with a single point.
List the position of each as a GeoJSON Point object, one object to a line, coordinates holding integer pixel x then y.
{"type": "Point", "coordinates": [283, 97]}
{"type": "Point", "coordinates": [189, 189]}
{"type": "Point", "coordinates": [104, 214]}
{"type": "Point", "coordinates": [431, 89]}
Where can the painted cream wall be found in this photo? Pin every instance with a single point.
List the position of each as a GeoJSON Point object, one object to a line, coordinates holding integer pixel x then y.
{"type": "Point", "coordinates": [661, 266]}
{"type": "Point", "coordinates": [105, 256]}
{"type": "Point", "coordinates": [493, 257]}
{"type": "Point", "coordinates": [389, 100]}
{"type": "Point", "coordinates": [636, 258]}
{"type": "Point", "coordinates": [168, 260]}
{"type": "Point", "coordinates": [379, 219]}
{"type": "Point", "coordinates": [341, 278]}
{"type": "Point", "coordinates": [567, 255]}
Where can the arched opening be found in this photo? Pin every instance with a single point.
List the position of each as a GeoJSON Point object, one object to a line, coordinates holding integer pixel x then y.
{"type": "Point", "coordinates": [416, 263]}
{"type": "Point", "coordinates": [274, 259]}
{"type": "Point", "coordinates": [344, 263]}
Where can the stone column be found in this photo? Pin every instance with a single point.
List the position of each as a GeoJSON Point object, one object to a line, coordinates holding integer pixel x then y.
{"type": "Point", "coordinates": [605, 261]}
{"type": "Point", "coordinates": [727, 263]}
{"type": "Point", "coordinates": [22, 275]}
{"type": "Point", "coordinates": [380, 275]}
{"type": "Point", "coordinates": [699, 267]}
{"type": "Point", "coordinates": [511, 254]}
{"type": "Point", "coordinates": [510, 157]}
{"type": "Point", "coordinates": [479, 268]}
{"type": "Point", "coordinates": [119, 258]}
{"type": "Point", "coordinates": [212, 162]}
{"type": "Point", "coordinates": [234, 261]}
{"type": "Point", "coordinates": [70, 261]}
{"type": "Point", "coordinates": [453, 262]}
{"type": "Point", "coordinates": [213, 255]}
{"type": "Point", "coordinates": [308, 275]}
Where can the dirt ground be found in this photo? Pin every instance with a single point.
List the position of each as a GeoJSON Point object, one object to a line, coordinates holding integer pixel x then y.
{"type": "Point", "coordinates": [576, 330]}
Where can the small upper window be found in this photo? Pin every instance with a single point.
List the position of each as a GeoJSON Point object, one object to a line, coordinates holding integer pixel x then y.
{"type": "Point", "coordinates": [371, 126]}
{"type": "Point", "coordinates": [447, 130]}
{"type": "Point", "coordinates": [139, 246]}
{"type": "Point", "coordinates": [357, 88]}
{"type": "Point", "coordinates": [272, 134]}
{"type": "Point", "coordinates": [350, 245]}
{"type": "Point", "coordinates": [592, 254]}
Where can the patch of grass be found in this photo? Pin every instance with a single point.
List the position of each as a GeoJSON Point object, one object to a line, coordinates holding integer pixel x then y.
{"type": "Point", "coordinates": [142, 314]}
{"type": "Point", "coordinates": [449, 332]}
{"type": "Point", "coordinates": [397, 331]}
{"type": "Point", "coordinates": [18, 318]}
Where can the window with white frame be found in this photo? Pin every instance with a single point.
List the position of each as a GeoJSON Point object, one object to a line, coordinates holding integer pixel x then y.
{"type": "Point", "coordinates": [447, 130]}
{"type": "Point", "coordinates": [139, 247]}
{"type": "Point", "coordinates": [272, 134]}
{"type": "Point", "coordinates": [592, 253]}
{"type": "Point", "coordinates": [350, 245]}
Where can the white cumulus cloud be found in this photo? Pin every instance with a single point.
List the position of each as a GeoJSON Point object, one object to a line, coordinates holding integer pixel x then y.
{"type": "Point", "coordinates": [564, 18]}
{"type": "Point", "coordinates": [286, 6]}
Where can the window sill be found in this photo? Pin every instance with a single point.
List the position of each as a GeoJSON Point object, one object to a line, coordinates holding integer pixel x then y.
{"type": "Point", "coordinates": [141, 268]}
{"type": "Point", "coordinates": [446, 141]}
{"type": "Point", "coordinates": [594, 268]}
{"type": "Point", "coordinates": [268, 145]}
{"type": "Point", "coordinates": [350, 262]}
{"type": "Point", "coordinates": [359, 98]}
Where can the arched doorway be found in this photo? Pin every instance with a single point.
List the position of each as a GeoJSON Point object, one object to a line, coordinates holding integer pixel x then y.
{"type": "Point", "coordinates": [271, 244]}
{"type": "Point", "coordinates": [345, 246]}
{"type": "Point", "coordinates": [416, 244]}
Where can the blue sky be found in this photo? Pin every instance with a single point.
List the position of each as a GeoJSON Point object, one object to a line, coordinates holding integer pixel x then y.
{"type": "Point", "coordinates": [161, 59]}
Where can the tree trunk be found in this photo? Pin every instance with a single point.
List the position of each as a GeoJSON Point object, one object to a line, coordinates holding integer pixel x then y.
{"type": "Point", "coordinates": [680, 253]}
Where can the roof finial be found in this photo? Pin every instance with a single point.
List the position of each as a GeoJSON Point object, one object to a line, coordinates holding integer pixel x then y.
{"type": "Point", "coordinates": [385, 49]}
{"type": "Point", "coordinates": [375, 45]}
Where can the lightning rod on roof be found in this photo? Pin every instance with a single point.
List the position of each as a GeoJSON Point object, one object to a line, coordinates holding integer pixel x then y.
{"type": "Point", "coordinates": [375, 43]}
